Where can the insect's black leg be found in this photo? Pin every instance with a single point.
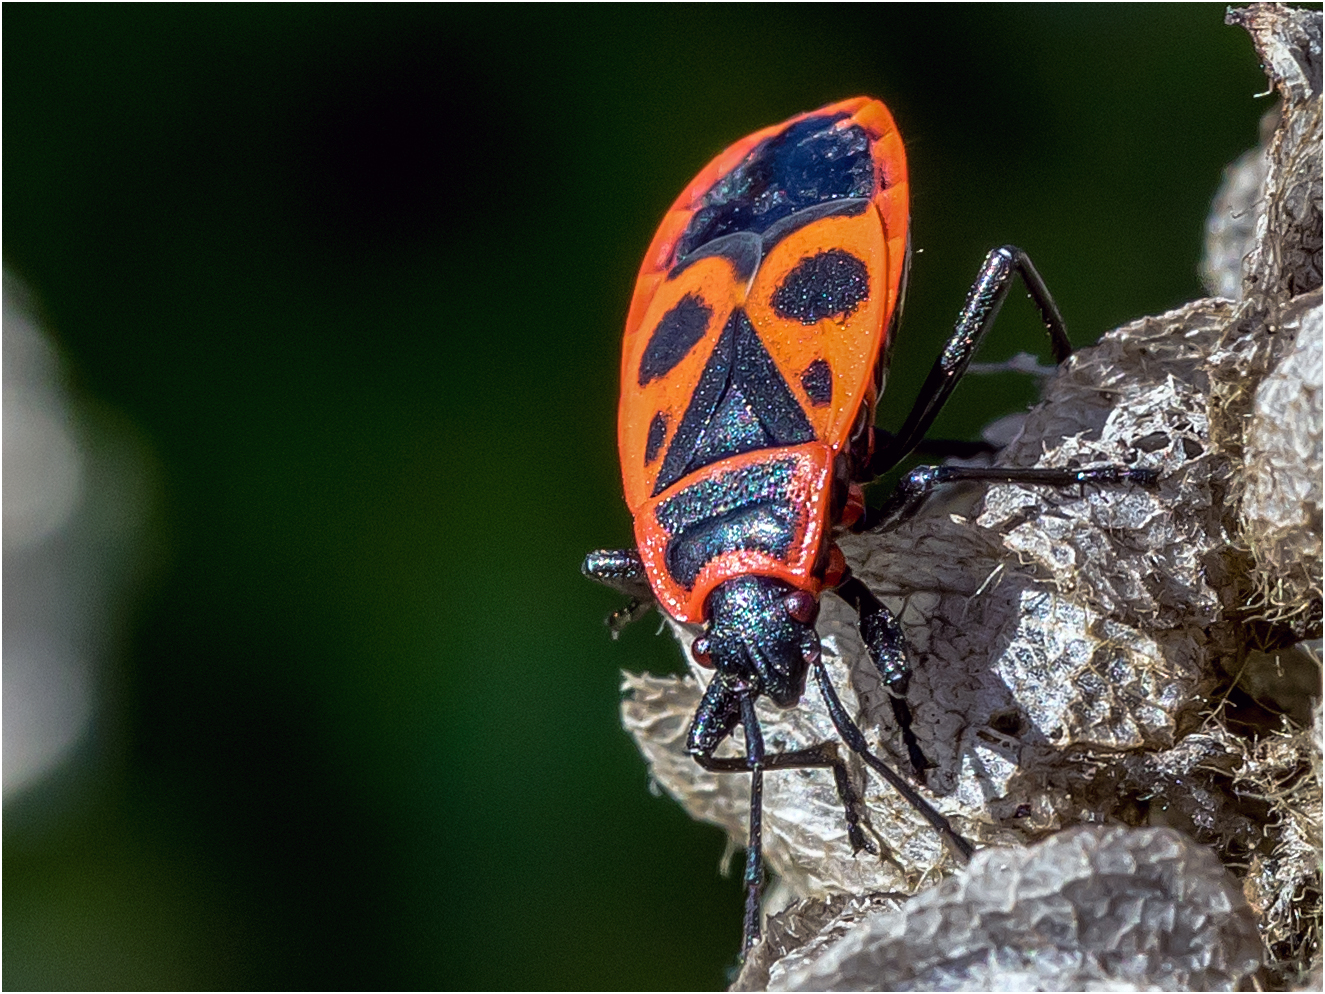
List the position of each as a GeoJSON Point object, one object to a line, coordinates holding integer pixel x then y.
{"type": "Point", "coordinates": [853, 737]}
{"type": "Point", "coordinates": [754, 853]}
{"type": "Point", "coordinates": [918, 484]}
{"type": "Point", "coordinates": [720, 709]}
{"type": "Point", "coordinates": [622, 570]}
{"type": "Point", "coordinates": [715, 719]}
{"type": "Point", "coordinates": [821, 756]}
{"type": "Point", "coordinates": [977, 317]}
{"type": "Point", "coordinates": [887, 648]}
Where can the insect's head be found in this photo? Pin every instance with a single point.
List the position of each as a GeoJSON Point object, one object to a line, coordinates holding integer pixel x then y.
{"type": "Point", "coordinates": [761, 633]}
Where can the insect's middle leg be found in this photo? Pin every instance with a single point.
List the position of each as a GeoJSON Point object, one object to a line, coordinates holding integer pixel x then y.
{"type": "Point", "coordinates": [918, 484]}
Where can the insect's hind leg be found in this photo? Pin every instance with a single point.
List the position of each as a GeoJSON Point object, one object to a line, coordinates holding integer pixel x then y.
{"type": "Point", "coordinates": [918, 484]}
{"type": "Point", "coordinates": [983, 302]}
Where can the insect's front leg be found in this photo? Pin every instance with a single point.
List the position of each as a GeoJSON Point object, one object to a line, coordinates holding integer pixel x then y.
{"type": "Point", "coordinates": [852, 736]}
{"type": "Point", "coordinates": [824, 756]}
{"type": "Point", "coordinates": [719, 710]}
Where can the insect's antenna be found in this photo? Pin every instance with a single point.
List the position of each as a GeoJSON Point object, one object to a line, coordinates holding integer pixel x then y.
{"type": "Point", "coordinates": [852, 736]}
{"type": "Point", "coordinates": [754, 862]}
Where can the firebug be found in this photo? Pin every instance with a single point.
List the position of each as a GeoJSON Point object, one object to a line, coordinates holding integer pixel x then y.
{"type": "Point", "coordinates": [755, 352]}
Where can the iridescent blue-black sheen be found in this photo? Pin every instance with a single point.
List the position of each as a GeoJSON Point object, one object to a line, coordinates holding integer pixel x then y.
{"type": "Point", "coordinates": [755, 483]}
{"type": "Point", "coordinates": [677, 333]}
{"type": "Point", "coordinates": [657, 432]}
{"type": "Point", "coordinates": [719, 711]}
{"type": "Point", "coordinates": [846, 207]}
{"type": "Point", "coordinates": [747, 508]}
{"type": "Point", "coordinates": [762, 527]}
{"type": "Point", "coordinates": [806, 164]}
{"type": "Point", "coordinates": [818, 383]}
{"type": "Point", "coordinates": [740, 404]}
{"type": "Point", "coordinates": [753, 638]}
{"type": "Point", "coordinates": [827, 284]}
{"type": "Point", "coordinates": [613, 564]}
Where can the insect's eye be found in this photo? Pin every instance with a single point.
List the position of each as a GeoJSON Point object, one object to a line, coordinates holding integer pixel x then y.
{"type": "Point", "coordinates": [802, 606]}
{"type": "Point", "coordinates": [701, 650]}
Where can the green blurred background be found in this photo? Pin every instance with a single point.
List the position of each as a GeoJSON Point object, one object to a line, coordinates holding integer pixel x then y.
{"type": "Point", "coordinates": [355, 277]}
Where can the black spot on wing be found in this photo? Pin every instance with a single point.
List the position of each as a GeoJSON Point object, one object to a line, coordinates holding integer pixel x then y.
{"type": "Point", "coordinates": [677, 333]}
{"type": "Point", "coordinates": [740, 404]}
{"type": "Point", "coordinates": [657, 432]}
{"type": "Point", "coordinates": [818, 383]}
{"type": "Point", "coordinates": [806, 164]}
{"type": "Point", "coordinates": [833, 282]}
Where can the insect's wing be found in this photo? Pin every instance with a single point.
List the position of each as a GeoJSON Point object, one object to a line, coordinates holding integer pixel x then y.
{"type": "Point", "coordinates": [662, 363]}
{"type": "Point", "coordinates": [821, 302]}
{"type": "Point", "coordinates": [845, 258]}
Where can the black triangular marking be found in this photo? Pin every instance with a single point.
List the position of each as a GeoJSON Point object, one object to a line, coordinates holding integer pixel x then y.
{"type": "Point", "coordinates": [740, 404]}
{"type": "Point", "coordinates": [734, 428]}
{"type": "Point", "coordinates": [767, 391]}
{"type": "Point", "coordinates": [703, 402]}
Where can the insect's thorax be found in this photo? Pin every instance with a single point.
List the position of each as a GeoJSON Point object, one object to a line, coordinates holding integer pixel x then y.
{"type": "Point", "coordinates": [764, 513]}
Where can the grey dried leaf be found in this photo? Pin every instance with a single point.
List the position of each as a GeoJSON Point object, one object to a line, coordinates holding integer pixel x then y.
{"type": "Point", "coordinates": [1091, 908]}
{"type": "Point", "coordinates": [1230, 230]}
{"type": "Point", "coordinates": [798, 934]}
{"type": "Point", "coordinates": [1281, 496]}
{"type": "Point", "coordinates": [1265, 374]}
{"type": "Point", "coordinates": [1282, 882]}
{"type": "Point", "coordinates": [1286, 258]}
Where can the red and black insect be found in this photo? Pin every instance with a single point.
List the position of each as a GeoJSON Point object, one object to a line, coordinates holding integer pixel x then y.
{"type": "Point", "coordinates": [755, 351]}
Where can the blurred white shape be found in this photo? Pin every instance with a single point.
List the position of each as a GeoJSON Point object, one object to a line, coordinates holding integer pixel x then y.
{"type": "Point", "coordinates": [47, 708]}
{"type": "Point", "coordinates": [67, 529]}
{"type": "Point", "coordinates": [43, 466]}
{"type": "Point", "coordinates": [47, 687]}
